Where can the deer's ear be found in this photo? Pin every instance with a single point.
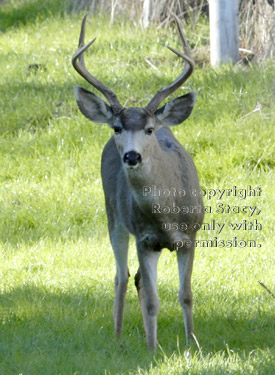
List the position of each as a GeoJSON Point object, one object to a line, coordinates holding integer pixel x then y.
{"type": "Point", "coordinates": [176, 111]}
{"type": "Point", "coordinates": [92, 107]}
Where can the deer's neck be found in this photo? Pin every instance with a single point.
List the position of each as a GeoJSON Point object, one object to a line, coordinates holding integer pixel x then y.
{"type": "Point", "coordinates": [151, 178]}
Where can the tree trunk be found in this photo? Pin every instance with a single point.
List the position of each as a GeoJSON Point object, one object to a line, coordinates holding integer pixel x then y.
{"type": "Point", "coordinates": [147, 12]}
{"type": "Point", "coordinates": [224, 31]}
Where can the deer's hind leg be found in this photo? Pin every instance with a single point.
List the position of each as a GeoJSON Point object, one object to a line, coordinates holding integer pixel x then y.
{"type": "Point", "coordinates": [120, 241]}
{"type": "Point", "coordinates": [146, 284]}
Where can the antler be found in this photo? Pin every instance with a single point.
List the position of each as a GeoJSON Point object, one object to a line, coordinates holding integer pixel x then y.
{"type": "Point", "coordinates": [186, 73]}
{"type": "Point", "coordinates": [79, 65]}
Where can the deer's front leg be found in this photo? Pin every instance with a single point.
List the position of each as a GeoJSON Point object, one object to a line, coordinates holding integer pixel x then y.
{"type": "Point", "coordinates": [120, 239]}
{"type": "Point", "coordinates": [185, 257]}
{"type": "Point", "coordinates": [146, 283]}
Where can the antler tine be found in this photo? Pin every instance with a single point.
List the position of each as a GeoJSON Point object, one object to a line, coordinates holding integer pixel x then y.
{"type": "Point", "coordinates": [79, 65]}
{"type": "Point", "coordinates": [81, 41]}
{"type": "Point", "coordinates": [182, 38]}
{"type": "Point", "coordinates": [186, 73]}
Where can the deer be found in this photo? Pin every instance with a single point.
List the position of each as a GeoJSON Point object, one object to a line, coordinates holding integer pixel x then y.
{"type": "Point", "coordinates": [149, 181]}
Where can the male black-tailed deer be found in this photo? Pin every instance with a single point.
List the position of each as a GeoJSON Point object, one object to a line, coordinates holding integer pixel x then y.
{"type": "Point", "coordinates": [151, 188]}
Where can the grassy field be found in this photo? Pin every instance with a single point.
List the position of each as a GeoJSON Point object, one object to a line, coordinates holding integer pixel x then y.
{"type": "Point", "coordinates": [56, 263]}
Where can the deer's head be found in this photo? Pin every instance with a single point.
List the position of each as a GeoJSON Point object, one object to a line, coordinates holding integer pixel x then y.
{"type": "Point", "coordinates": [134, 128]}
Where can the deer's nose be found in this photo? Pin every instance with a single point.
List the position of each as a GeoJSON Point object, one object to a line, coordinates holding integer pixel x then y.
{"type": "Point", "coordinates": [132, 158]}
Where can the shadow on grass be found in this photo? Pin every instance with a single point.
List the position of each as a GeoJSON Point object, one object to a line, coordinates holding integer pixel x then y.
{"type": "Point", "coordinates": [72, 332]}
{"type": "Point", "coordinates": [223, 327]}
{"type": "Point", "coordinates": [64, 333]}
{"type": "Point", "coordinates": [16, 14]}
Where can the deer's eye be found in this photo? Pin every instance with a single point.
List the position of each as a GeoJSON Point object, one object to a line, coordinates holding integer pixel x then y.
{"type": "Point", "coordinates": [117, 129]}
{"type": "Point", "coordinates": [149, 131]}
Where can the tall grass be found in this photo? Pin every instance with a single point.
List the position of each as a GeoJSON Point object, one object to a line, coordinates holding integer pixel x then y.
{"type": "Point", "coordinates": [56, 262]}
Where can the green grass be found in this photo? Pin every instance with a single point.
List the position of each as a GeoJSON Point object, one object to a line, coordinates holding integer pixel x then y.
{"type": "Point", "coordinates": [56, 262]}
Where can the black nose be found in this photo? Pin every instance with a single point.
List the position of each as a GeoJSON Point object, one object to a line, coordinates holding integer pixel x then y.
{"type": "Point", "coordinates": [132, 158]}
